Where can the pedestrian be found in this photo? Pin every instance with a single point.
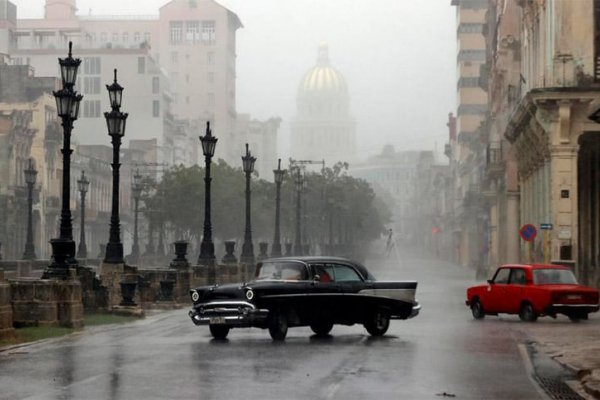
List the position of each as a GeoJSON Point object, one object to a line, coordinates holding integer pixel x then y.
{"type": "Point", "coordinates": [389, 244]}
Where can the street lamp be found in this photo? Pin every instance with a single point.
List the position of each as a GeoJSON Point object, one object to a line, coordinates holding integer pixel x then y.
{"type": "Point", "coordinates": [115, 121]}
{"type": "Point", "coordinates": [82, 184]}
{"type": "Point", "coordinates": [67, 108]}
{"type": "Point", "coordinates": [299, 183]}
{"type": "Point", "coordinates": [30, 175]}
{"type": "Point", "coordinates": [207, 247]}
{"type": "Point", "coordinates": [279, 174]}
{"type": "Point", "coordinates": [247, 248]}
{"type": "Point", "coordinates": [136, 191]}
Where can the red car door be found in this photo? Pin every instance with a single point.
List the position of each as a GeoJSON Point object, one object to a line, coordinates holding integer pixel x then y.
{"type": "Point", "coordinates": [515, 290]}
{"type": "Point", "coordinates": [496, 296]}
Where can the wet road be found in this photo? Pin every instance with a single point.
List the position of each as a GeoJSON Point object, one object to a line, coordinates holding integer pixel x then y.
{"type": "Point", "coordinates": [166, 357]}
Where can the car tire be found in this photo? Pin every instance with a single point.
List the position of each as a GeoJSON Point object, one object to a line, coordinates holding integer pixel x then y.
{"type": "Point", "coordinates": [321, 327]}
{"type": "Point", "coordinates": [278, 325]}
{"type": "Point", "coordinates": [526, 313]}
{"type": "Point", "coordinates": [378, 322]}
{"type": "Point", "coordinates": [477, 309]}
{"type": "Point", "coordinates": [219, 332]}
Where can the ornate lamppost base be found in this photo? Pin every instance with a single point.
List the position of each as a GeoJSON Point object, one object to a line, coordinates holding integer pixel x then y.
{"type": "Point", "coordinates": [114, 253]}
{"type": "Point", "coordinates": [63, 251]}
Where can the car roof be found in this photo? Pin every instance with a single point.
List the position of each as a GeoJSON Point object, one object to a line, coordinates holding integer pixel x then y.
{"type": "Point", "coordinates": [306, 259]}
{"type": "Point", "coordinates": [536, 266]}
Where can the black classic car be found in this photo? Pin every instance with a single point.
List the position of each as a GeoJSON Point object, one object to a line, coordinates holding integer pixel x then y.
{"type": "Point", "coordinates": [304, 291]}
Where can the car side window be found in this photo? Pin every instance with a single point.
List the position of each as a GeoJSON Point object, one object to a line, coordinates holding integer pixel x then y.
{"type": "Point", "coordinates": [344, 273]}
{"type": "Point", "coordinates": [502, 275]}
{"type": "Point", "coordinates": [517, 276]}
{"type": "Point", "coordinates": [325, 272]}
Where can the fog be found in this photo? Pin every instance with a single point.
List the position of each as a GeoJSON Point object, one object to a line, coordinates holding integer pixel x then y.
{"type": "Point", "coordinates": [397, 57]}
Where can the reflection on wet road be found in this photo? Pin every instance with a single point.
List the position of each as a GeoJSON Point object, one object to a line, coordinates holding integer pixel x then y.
{"type": "Point", "coordinates": [166, 356]}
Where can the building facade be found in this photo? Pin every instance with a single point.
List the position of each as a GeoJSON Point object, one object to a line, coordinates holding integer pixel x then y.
{"type": "Point", "coordinates": [323, 128]}
{"type": "Point", "coordinates": [465, 151]}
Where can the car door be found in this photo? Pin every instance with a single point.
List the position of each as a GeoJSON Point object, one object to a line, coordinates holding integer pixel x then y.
{"type": "Point", "coordinates": [495, 301]}
{"type": "Point", "coordinates": [515, 290]}
{"type": "Point", "coordinates": [324, 291]}
{"type": "Point", "coordinates": [351, 304]}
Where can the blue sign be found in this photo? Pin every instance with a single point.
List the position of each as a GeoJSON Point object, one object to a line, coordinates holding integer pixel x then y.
{"type": "Point", "coordinates": [545, 226]}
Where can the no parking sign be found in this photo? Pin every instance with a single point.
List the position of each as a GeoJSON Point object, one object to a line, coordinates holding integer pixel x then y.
{"type": "Point", "coordinates": [528, 232]}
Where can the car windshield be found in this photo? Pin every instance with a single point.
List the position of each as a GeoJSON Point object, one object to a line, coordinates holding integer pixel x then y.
{"type": "Point", "coordinates": [553, 276]}
{"type": "Point", "coordinates": [286, 270]}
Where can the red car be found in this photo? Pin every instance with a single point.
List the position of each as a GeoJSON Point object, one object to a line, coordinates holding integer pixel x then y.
{"type": "Point", "coordinates": [531, 291]}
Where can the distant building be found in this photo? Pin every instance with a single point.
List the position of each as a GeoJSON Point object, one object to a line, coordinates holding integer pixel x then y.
{"type": "Point", "coordinates": [192, 40]}
{"type": "Point", "coordinates": [404, 178]}
{"type": "Point", "coordinates": [323, 128]}
{"type": "Point", "coordinates": [262, 139]}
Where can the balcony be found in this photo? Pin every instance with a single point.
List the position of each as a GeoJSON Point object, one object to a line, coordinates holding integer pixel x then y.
{"type": "Point", "coordinates": [494, 156]}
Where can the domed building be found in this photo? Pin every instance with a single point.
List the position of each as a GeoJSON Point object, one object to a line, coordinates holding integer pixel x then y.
{"type": "Point", "coordinates": [323, 128]}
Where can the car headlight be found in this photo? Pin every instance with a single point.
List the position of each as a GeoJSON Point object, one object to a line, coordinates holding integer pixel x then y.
{"type": "Point", "coordinates": [195, 296]}
{"type": "Point", "coordinates": [249, 294]}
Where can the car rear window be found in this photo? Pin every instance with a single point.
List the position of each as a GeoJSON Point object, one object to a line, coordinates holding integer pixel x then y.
{"type": "Point", "coordinates": [553, 276]}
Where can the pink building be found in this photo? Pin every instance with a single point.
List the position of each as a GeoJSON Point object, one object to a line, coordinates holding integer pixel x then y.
{"type": "Point", "coordinates": [192, 41]}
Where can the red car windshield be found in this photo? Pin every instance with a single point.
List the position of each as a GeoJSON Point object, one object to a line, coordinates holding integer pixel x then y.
{"type": "Point", "coordinates": [553, 277]}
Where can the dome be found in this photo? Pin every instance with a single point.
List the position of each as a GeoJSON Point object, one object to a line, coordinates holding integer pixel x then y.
{"type": "Point", "coordinates": [323, 78]}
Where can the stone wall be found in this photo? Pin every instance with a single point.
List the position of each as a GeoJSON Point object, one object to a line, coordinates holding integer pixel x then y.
{"type": "Point", "coordinates": [6, 314]}
{"type": "Point", "coordinates": [43, 302]}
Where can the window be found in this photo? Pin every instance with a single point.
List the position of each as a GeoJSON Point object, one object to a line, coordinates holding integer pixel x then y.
{"type": "Point", "coordinates": [192, 34]}
{"type": "Point", "coordinates": [210, 57]}
{"type": "Point", "coordinates": [115, 37]}
{"type": "Point", "coordinates": [174, 57]}
{"type": "Point", "coordinates": [147, 37]}
{"type": "Point", "coordinates": [91, 109]}
{"type": "Point", "coordinates": [211, 100]}
{"type": "Point", "coordinates": [344, 273]}
{"type": "Point", "coordinates": [141, 65]}
{"type": "Point", "coordinates": [103, 37]}
{"type": "Point", "coordinates": [210, 77]}
{"type": "Point", "coordinates": [155, 108]}
{"type": "Point", "coordinates": [517, 277]}
{"type": "Point", "coordinates": [470, 28]}
{"type": "Point", "coordinates": [176, 29]}
{"type": "Point", "coordinates": [125, 37]}
{"type": "Point", "coordinates": [208, 31]}
{"type": "Point", "coordinates": [325, 272]}
{"type": "Point", "coordinates": [137, 37]}
{"type": "Point", "coordinates": [502, 275]}
{"type": "Point", "coordinates": [155, 84]}
{"type": "Point", "coordinates": [91, 85]}
{"type": "Point", "coordinates": [91, 66]}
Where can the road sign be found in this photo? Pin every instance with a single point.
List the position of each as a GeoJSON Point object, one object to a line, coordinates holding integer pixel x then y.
{"type": "Point", "coordinates": [546, 226]}
{"type": "Point", "coordinates": [528, 232]}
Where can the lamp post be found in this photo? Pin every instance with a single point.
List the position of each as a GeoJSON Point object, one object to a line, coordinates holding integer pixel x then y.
{"type": "Point", "coordinates": [82, 184]}
{"type": "Point", "coordinates": [247, 249]}
{"type": "Point", "coordinates": [299, 182]}
{"type": "Point", "coordinates": [136, 191]}
{"type": "Point", "coordinates": [67, 107]}
{"type": "Point", "coordinates": [278, 174]}
{"type": "Point", "coordinates": [207, 247]}
{"type": "Point", "coordinates": [30, 175]}
{"type": "Point", "coordinates": [115, 121]}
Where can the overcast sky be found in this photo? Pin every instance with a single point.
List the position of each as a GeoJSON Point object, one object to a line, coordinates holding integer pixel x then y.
{"type": "Point", "coordinates": [398, 57]}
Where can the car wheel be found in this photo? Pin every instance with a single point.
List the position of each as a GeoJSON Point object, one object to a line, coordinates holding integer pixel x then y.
{"type": "Point", "coordinates": [278, 325]}
{"type": "Point", "coordinates": [526, 313]}
{"type": "Point", "coordinates": [322, 327]}
{"type": "Point", "coordinates": [477, 310]}
{"type": "Point", "coordinates": [219, 331]}
{"type": "Point", "coordinates": [378, 322]}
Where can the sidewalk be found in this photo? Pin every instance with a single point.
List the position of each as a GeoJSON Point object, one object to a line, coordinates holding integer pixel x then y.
{"type": "Point", "coordinates": [576, 346]}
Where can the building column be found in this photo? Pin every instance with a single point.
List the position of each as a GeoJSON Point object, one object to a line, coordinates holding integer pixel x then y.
{"type": "Point", "coordinates": [493, 260]}
{"type": "Point", "coordinates": [564, 201]}
{"type": "Point", "coordinates": [512, 227]}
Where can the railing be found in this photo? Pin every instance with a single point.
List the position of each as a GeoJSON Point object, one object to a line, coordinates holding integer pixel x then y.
{"type": "Point", "coordinates": [494, 153]}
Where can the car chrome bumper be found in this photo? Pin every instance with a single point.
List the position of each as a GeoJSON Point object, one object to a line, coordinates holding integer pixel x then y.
{"type": "Point", "coordinates": [415, 310]}
{"type": "Point", "coordinates": [233, 313]}
{"type": "Point", "coordinates": [566, 308]}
